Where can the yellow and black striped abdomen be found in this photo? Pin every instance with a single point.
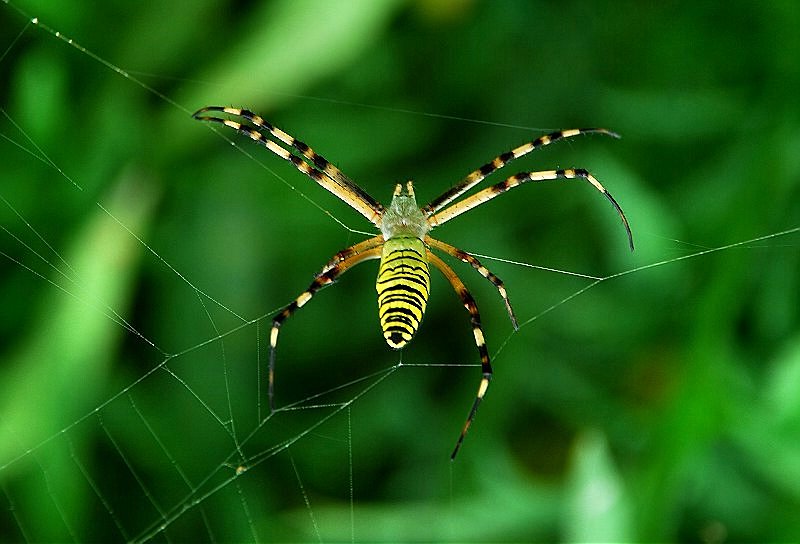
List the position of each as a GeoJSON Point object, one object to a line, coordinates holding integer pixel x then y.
{"type": "Point", "coordinates": [403, 287]}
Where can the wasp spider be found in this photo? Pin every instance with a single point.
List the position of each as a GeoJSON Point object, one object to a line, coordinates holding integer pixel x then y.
{"type": "Point", "coordinates": [404, 246]}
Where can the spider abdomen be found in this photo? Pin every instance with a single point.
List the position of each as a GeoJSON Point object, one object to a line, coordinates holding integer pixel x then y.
{"type": "Point", "coordinates": [403, 287]}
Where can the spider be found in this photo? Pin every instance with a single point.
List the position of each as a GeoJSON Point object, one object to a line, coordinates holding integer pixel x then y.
{"type": "Point", "coordinates": [404, 247]}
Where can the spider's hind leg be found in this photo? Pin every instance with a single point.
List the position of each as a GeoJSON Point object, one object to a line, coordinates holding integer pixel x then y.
{"type": "Point", "coordinates": [462, 255]}
{"type": "Point", "coordinates": [328, 275]}
{"type": "Point", "coordinates": [477, 331]}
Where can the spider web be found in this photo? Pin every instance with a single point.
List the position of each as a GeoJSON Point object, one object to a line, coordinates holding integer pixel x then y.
{"type": "Point", "coordinates": [170, 438]}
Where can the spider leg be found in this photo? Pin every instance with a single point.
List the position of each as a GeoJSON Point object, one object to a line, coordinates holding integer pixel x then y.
{"type": "Point", "coordinates": [477, 331]}
{"type": "Point", "coordinates": [353, 250]}
{"type": "Point", "coordinates": [320, 169]}
{"type": "Point", "coordinates": [319, 161]}
{"type": "Point", "coordinates": [500, 161]}
{"type": "Point", "coordinates": [327, 276]}
{"type": "Point", "coordinates": [482, 270]}
{"type": "Point", "coordinates": [518, 179]}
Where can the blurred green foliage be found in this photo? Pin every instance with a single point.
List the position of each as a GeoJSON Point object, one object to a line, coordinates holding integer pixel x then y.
{"type": "Point", "coordinates": [661, 405]}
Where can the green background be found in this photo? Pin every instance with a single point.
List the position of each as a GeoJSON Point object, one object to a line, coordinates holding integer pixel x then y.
{"type": "Point", "coordinates": [143, 257]}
